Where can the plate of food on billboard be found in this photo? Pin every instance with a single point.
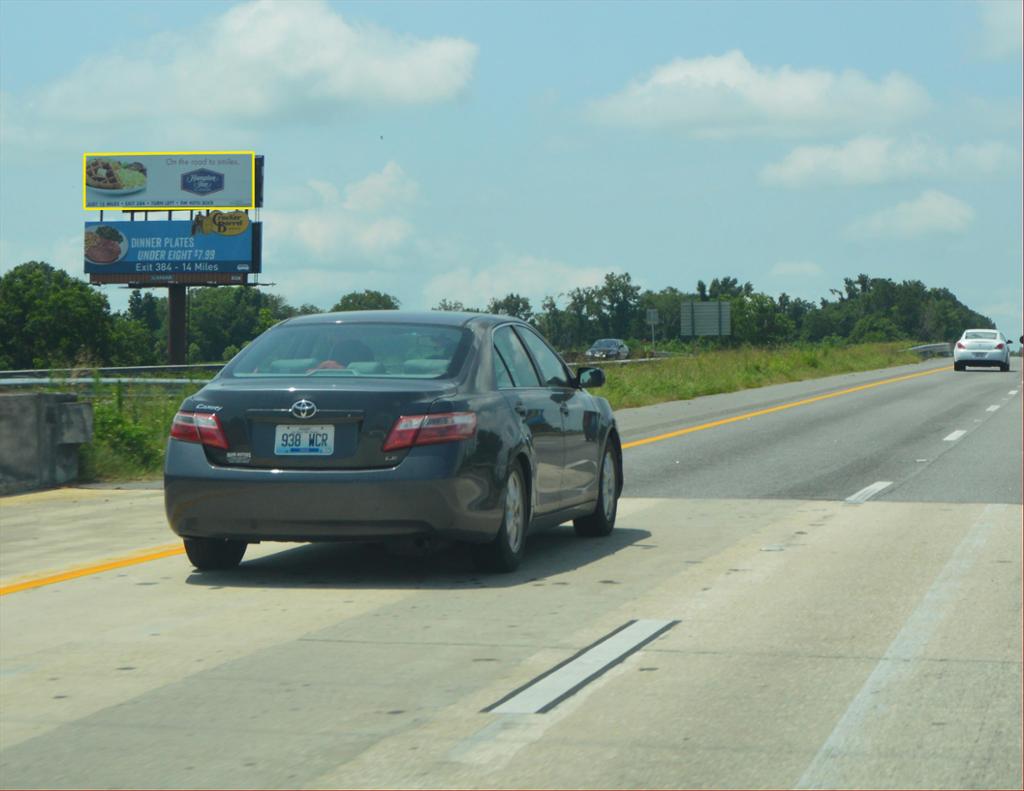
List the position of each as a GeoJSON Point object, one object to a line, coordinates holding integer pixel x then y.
{"type": "Point", "coordinates": [104, 245]}
{"type": "Point", "coordinates": [111, 177]}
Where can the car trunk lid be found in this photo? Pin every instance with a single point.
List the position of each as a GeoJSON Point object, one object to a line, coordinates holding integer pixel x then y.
{"type": "Point", "coordinates": [322, 425]}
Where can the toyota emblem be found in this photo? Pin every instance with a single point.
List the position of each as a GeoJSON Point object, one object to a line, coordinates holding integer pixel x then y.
{"type": "Point", "coordinates": [303, 409]}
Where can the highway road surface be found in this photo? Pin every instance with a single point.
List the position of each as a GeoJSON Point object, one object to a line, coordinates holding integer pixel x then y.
{"type": "Point", "coordinates": [810, 585]}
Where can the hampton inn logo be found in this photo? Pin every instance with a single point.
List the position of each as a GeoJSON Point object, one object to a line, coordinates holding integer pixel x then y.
{"type": "Point", "coordinates": [202, 181]}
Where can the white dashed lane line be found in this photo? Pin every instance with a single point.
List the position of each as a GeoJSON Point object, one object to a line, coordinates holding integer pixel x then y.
{"type": "Point", "coordinates": [868, 492]}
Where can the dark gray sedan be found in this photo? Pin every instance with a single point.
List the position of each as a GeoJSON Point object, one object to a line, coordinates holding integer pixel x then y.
{"type": "Point", "coordinates": [608, 349]}
{"type": "Point", "coordinates": [381, 425]}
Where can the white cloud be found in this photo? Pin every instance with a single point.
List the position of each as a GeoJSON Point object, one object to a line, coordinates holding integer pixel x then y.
{"type": "Point", "coordinates": [796, 269]}
{"type": "Point", "coordinates": [1002, 28]}
{"type": "Point", "coordinates": [931, 212]}
{"type": "Point", "coordinates": [1002, 309]}
{"type": "Point", "coordinates": [64, 252]}
{"type": "Point", "coordinates": [333, 230]}
{"type": "Point", "coordinates": [316, 286]}
{"type": "Point", "coordinates": [528, 276]}
{"type": "Point", "coordinates": [258, 61]}
{"type": "Point", "coordinates": [989, 157]}
{"type": "Point", "coordinates": [389, 186]}
{"type": "Point", "coordinates": [876, 160]}
{"type": "Point", "coordinates": [728, 95]}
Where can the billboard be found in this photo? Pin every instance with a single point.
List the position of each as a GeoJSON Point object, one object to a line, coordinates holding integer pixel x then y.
{"type": "Point", "coordinates": [169, 180]}
{"type": "Point", "coordinates": [212, 244]}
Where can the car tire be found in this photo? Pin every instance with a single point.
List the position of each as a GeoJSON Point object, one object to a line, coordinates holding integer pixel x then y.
{"type": "Point", "coordinates": [505, 552]}
{"type": "Point", "coordinates": [958, 366]}
{"type": "Point", "coordinates": [1004, 367]}
{"type": "Point", "coordinates": [602, 521]}
{"type": "Point", "coordinates": [214, 554]}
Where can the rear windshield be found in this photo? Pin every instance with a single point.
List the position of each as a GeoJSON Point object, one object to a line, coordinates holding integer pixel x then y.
{"type": "Point", "coordinates": [605, 342]}
{"type": "Point", "coordinates": [987, 336]}
{"type": "Point", "coordinates": [406, 351]}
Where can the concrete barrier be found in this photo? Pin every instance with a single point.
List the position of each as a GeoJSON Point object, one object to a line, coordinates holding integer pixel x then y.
{"type": "Point", "coordinates": [39, 438]}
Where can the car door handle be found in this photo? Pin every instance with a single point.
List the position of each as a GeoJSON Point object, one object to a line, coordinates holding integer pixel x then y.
{"type": "Point", "coordinates": [520, 410]}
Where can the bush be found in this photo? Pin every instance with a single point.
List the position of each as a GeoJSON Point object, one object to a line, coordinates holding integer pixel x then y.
{"type": "Point", "coordinates": [130, 428]}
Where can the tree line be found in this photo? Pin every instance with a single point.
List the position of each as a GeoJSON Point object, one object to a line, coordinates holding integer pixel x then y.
{"type": "Point", "coordinates": [49, 319]}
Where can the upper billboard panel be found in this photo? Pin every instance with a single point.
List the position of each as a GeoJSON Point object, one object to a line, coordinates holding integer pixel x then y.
{"type": "Point", "coordinates": [134, 180]}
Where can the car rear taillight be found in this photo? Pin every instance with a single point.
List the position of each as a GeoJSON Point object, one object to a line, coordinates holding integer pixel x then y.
{"type": "Point", "coordinates": [960, 345]}
{"type": "Point", "coordinates": [410, 430]}
{"type": "Point", "coordinates": [202, 427]}
{"type": "Point", "coordinates": [999, 346]}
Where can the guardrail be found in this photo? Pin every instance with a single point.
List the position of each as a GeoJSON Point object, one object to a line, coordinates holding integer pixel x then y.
{"type": "Point", "coordinates": [40, 372]}
{"type": "Point", "coordinates": [933, 349]}
{"type": "Point", "coordinates": [599, 363]}
{"type": "Point", "coordinates": [28, 377]}
{"type": "Point", "coordinates": [29, 381]}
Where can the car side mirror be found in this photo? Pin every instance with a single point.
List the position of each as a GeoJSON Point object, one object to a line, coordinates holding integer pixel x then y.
{"type": "Point", "coordinates": [590, 377]}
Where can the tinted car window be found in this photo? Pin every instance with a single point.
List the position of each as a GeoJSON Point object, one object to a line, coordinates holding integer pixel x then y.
{"type": "Point", "coordinates": [515, 357]}
{"type": "Point", "coordinates": [501, 372]}
{"type": "Point", "coordinates": [354, 349]}
{"type": "Point", "coordinates": [552, 371]}
{"type": "Point", "coordinates": [988, 336]}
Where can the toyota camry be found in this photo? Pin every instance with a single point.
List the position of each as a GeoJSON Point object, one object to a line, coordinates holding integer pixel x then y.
{"type": "Point", "coordinates": [386, 425]}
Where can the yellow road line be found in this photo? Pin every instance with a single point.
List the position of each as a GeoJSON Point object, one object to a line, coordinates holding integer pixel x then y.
{"type": "Point", "coordinates": [153, 553]}
{"type": "Point", "coordinates": [779, 408]}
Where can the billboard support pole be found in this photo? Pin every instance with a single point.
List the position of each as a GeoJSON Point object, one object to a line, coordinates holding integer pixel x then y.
{"type": "Point", "coordinates": [176, 327]}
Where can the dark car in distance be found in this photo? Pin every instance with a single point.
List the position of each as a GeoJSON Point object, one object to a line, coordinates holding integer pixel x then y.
{"type": "Point", "coordinates": [608, 349]}
{"type": "Point", "coordinates": [387, 425]}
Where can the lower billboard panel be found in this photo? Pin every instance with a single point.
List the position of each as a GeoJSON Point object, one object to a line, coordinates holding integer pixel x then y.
{"type": "Point", "coordinates": [168, 250]}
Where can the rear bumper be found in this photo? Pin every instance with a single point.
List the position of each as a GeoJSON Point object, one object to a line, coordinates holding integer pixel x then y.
{"type": "Point", "coordinates": [970, 358]}
{"type": "Point", "coordinates": [427, 494]}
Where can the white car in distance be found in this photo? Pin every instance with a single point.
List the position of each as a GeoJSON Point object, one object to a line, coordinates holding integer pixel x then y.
{"type": "Point", "coordinates": [982, 348]}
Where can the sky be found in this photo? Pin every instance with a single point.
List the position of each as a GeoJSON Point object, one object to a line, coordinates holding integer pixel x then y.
{"type": "Point", "coordinates": [467, 150]}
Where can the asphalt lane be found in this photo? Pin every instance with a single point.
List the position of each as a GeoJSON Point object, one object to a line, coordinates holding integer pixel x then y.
{"type": "Point", "coordinates": [815, 643]}
{"type": "Point", "coordinates": [833, 448]}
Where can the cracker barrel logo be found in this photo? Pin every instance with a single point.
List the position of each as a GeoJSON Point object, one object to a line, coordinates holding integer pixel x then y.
{"type": "Point", "coordinates": [230, 223]}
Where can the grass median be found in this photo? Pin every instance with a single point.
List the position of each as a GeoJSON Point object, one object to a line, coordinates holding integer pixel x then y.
{"type": "Point", "coordinates": [131, 422]}
{"type": "Point", "coordinates": [724, 371]}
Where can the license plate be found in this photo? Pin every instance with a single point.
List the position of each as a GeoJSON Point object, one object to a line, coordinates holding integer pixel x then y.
{"type": "Point", "coordinates": [303, 440]}
{"type": "Point", "coordinates": [980, 355]}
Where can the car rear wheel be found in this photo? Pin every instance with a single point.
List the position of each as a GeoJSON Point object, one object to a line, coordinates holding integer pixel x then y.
{"type": "Point", "coordinates": [1004, 367]}
{"type": "Point", "coordinates": [214, 554]}
{"type": "Point", "coordinates": [601, 522]}
{"type": "Point", "coordinates": [958, 366]}
{"type": "Point", "coordinates": [505, 552]}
